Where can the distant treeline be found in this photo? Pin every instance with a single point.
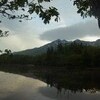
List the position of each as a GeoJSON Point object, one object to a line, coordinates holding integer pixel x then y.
{"type": "Point", "coordinates": [15, 59]}
{"type": "Point", "coordinates": [69, 56]}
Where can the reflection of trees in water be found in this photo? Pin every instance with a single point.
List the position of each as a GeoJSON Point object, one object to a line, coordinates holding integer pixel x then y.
{"type": "Point", "coordinates": [74, 80]}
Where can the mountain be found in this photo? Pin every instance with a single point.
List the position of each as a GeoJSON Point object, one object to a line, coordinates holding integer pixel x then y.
{"type": "Point", "coordinates": [43, 49]}
{"type": "Point", "coordinates": [93, 43]}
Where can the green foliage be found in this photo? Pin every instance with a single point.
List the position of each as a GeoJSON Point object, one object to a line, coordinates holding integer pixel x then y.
{"type": "Point", "coordinates": [2, 34]}
{"type": "Point", "coordinates": [71, 56]}
{"type": "Point", "coordinates": [8, 7]}
{"type": "Point", "coordinates": [7, 57]}
{"type": "Point", "coordinates": [68, 56]}
{"type": "Point", "coordinates": [8, 52]}
{"type": "Point", "coordinates": [88, 8]}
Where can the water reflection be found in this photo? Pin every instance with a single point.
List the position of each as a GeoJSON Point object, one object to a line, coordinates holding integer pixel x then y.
{"type": "Point", "coordinates": [59, 85]}
{"type": "Point", "coordinates": [68, 95]}
{"type": "Point", "coordinates": [16, 87]}
{"type": "Point", "coordinates": [73, 80]}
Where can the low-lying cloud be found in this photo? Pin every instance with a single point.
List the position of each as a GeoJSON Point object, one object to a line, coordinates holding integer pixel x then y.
{"type": "Point", "coordinates": [77, 31]}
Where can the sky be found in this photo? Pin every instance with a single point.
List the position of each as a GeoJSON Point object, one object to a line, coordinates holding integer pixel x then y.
{"type": "Point", "coordinates": [34, 33]}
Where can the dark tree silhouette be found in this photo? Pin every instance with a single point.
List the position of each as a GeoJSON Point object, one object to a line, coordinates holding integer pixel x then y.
{"type": "Point", "coordinates": [85, 8]}
{"type": "Point", "coordinates": [2, 34]}
{"type": "Point", "coordinates": [89, 8]}
{"type": "Point", "coordinates": [0, 51]}
{"type": "Point", "coordinates": [8, 52]}
{"type": "Point", "coordinates": [8, 9]}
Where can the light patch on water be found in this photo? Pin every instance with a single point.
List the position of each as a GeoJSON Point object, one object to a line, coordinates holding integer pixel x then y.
{"type": "Point", "coordinates": [16, 87]}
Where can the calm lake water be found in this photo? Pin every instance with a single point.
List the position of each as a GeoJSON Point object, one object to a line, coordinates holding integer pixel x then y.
{"type": "Point", "coordinates": [17, 87]}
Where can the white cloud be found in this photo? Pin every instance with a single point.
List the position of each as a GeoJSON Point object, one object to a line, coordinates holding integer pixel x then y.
{"type": "Point", "coordinates": [77, 31]}
{"type": "Point", "coordinates": [19, 42]}
{"type": "Point", "coordinates": [26, 34]}
{"type": "Point", "coordinates": [90, 38]}
{"type": "Point", "coordinates": [12, 42]}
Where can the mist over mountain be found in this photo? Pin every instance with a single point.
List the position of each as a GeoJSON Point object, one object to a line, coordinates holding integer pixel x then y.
{"type": "Point", "coordinates": [54, 44]}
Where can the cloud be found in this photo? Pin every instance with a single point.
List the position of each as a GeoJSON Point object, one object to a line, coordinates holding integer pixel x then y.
{"type": "Point", "coordinates": [18, 42]}
{"type": "Point", "coordinates": [76, 31]}
{"type": "Point", "coordinates": [28, 34]}
{"type": "Point", "coordinates": [20, 37]}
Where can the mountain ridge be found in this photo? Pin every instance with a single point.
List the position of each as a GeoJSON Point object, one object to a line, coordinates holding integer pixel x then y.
{"type": "Point", "coordinates": [43, 49]}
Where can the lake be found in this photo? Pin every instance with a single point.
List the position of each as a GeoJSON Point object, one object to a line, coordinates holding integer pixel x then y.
{"type": "Point", "coordinates": [17, 87]}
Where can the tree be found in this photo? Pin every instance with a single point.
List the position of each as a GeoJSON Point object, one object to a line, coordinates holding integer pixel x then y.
{"type": "Point", "coordinates": [85, 8]}
{"type": "Point", "coordinates": [0, 51]}
{"type": "Point", "coordinates": [89, 8]}
{"type": "Point", "coordinates": [3, 33]}
{"type": "Point", "coordinates": [8, 52]}
{"type": "Point", "coordinates": [8, 8]}
{"type": "Point", "coordinates": [31, 6]}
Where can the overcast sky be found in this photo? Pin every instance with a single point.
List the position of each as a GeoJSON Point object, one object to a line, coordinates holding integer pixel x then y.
{"type": "Point", "coordinates": [34, 33]}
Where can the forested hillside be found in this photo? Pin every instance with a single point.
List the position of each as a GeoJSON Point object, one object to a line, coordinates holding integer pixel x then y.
{"type": "Point", "coordinates": [69, 56]}
{"type": "Point", "coordinates": [73, 55]}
